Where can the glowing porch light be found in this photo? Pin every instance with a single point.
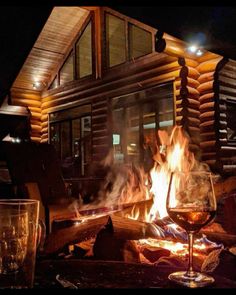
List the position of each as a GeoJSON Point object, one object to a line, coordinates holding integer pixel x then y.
{"type": "Point", "coordinates": [192, 48]}
{"type": "Point", "coordinates": [38, 85]}
{"type": "Point", "coordinates": [199, 52]}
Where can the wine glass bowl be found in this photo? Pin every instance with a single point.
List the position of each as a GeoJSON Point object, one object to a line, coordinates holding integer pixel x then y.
{"type": "Point", "coordinates": [191, 204]}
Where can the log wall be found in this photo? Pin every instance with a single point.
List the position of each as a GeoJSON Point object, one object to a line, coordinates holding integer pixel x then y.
{"type": "Point", "coordinates": [226, 76]}
{"type": "Point", "coordinates": [32, 100]}
{"type": "Point", "coordinates": [187, 94]}
{"type": "Point", "coordinates": [155, 69]}
{"type": "Point", "coordinates": [201, 87]}
{"type": "Point", "coordinates": [208, 92]}
{"type": "Point", "coordinates": [187, 101]}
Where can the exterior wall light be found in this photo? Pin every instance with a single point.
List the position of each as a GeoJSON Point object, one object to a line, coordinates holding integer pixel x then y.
{"type": "Point", "coordinates": [199, 52]}
{"type": "Point", "coordinates": [194, 49]}
{"type": "Point", "coordinates": [39, 85]}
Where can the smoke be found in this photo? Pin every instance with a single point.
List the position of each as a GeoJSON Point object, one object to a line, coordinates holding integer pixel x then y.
{"type": "Point", "coordinates": [128, 183]}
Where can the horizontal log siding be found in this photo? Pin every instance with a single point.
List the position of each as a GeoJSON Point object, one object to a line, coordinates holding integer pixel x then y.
{"type": "Point", "coordinates": [187, 102]}
{"type": "Point", "coordinates": [156, 69]}
{"type": "Point", "coordinates": [208, 90]}
{"type": "Point", "coordinates": [227, 90]}
{"type": "Point", "coordinates": [33, 102]}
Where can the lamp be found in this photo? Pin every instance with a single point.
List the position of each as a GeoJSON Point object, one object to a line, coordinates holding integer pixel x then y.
{"type": "Point", "coordinates": [194, 49]}
{"type": "Point", "coordinates": [39, 85]}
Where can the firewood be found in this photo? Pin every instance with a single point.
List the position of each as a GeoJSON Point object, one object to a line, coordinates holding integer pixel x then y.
{"type": "Point", "coordinates": [74, 234]}
{"type": "Point", "coordinates": [140, 208]}
{"type": "Point", "coordinates": [154, 253]}
{"type": "Point", "coordinates": [84, 248]}
{"type": "Point", "coordinates": [172, 261]}
{"type": "Point", "coordinates": [219, 237]}
{"type": "Point", "coordinates": [181, 261]}
{"type": "Point", "coordinates": [109, 247]}
{"type": "Point", "coordinates": [123, 228]}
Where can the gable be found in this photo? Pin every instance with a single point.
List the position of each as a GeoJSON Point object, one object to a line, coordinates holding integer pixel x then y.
{"type": "Point", "coordinates": [51, 46]}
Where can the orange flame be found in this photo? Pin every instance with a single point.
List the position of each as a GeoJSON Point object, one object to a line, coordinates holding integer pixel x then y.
{"type": "Point", "coordinates": [177, 157]}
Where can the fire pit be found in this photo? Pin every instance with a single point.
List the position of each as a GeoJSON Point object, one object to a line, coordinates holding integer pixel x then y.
{"type": "Point", "coordinates": [130, 225]}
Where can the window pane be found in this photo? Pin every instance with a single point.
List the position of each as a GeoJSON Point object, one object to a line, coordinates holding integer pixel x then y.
{"type": "Point", "coordinates": [55, 137]}
{"type": "Point", "coordinates": [65, 140]}
{"type": "Point", "coordinates": [149, 134]}
{"type": "Point", "coordinates": [132, 115]}
{"type": "Point", "coordinates": [165, 113]}
{"type": "Point", "coordinates": [115, 40]}
{"type": "Point", "coordinates": [119, 138]}
{"type": "Point", "coordinates": [76, 148]}
{"type": "Point", "coordinates": [135, 120]}
{"type": "Point", "coordinates": [231, 120]}
{"type": "Point", "coordinates": [140, 42]}
{"type": "Point", "coordinates": [85, 143]}
{"type": "Point", "coordinates": [71, 113]}
{"type": "Point", "coordinates": [76, 138]}
{"type": "Point", "coordinates": [54, 83]}
{"type": "Point", "coordinates": [84, 53]}
{"type": "Point", "coordinates": [66, 72]}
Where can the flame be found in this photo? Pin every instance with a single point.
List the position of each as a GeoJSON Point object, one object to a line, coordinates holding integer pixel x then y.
{"type": "Point", "coordinates": [176, 157]}
{"type": "Point", "coordinates": [172, 154]}
{"type": "Point", "coordinates": [129, 184]}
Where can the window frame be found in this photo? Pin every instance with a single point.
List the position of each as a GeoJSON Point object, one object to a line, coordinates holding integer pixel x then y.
{"type": "Point", "coordinates": [127, 21]}
{"type": "Point", "coordinates": [139, 103]}
{"type": "Point", "coordinates": [93, 48]}
{"type": "Point", "coordinates": [231, 142]}
{"type": "Point", "coordinates": [59, 121]}
{"type": "Point", "coordinates": [72, 49]}
{"type": "Point", "coordinates": [71, 54]}
{"type": "Point", "coordinates": [129, 42]}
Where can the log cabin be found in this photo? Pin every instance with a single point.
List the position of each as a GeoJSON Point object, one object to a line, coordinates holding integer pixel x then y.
{"type": "Point", "coordinates": [97, 80]}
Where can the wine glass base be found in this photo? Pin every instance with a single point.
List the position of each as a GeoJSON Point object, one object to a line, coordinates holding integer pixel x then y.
{"type": "Point", "coordinates": [196, 281]}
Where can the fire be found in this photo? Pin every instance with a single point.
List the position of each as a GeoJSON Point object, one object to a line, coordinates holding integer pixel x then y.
{"type": "Point", "coordinates": [172, 154]}
{"type": "Point", "coordinates": [176, 248]}
{"type": "Point", "coordinates": [177, 157]}
{"type": "Point", "coordinates": [130, 185]}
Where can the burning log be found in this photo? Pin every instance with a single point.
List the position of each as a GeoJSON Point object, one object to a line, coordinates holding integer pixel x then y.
{"type": "Point", "coordinates": [133, 210]}
{"type": "Point", "coordinates": [73, 234]}
{"type": "Point", "coordinates": [122, 228]}
{"type": "Point", "coordinates": [153, 254]}
{"type": "Point", "coordinates": [219, 237]}
{"type": "Point", "coordinates": [118, 250]}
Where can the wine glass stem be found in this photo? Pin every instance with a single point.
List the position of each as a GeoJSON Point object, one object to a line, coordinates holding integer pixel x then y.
{"type": "Point", "coordinates": [190, 271]}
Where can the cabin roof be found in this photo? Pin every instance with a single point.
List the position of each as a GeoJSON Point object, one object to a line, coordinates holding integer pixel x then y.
{"type": "Point", "coordinates": [51, 46]}
{"type": "Point", "coordinates": [20, 25]}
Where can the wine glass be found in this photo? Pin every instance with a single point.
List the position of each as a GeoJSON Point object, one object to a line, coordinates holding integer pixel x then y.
{"type": "Point", "coordinates": [191, 204]}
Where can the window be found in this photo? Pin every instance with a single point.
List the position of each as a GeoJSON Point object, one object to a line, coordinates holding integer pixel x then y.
{"type": "Point", "coordinates": [53, 84]}
{"type": "Point", "coordinates": [115, 40]}
{"type": "Point", "coordinates": [125, 41]}
{"type": "Point", "coordinates": [84, 53]}
{"type": "Point", "coordinates": [231, 120]}
{"type": "Point", "coordinates": [67, 70]}
{"type": "Point", "coordinates": [70, 133]}
{"type": "Point", "coordinates": [136, 118]}
{"type": "Point", "coordinates": [140, 42]}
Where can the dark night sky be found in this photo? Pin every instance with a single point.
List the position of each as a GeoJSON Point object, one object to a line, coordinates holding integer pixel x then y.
{"type": "Point", "coordinates": [20, 26]}
{"type": "Point", "coordinates": [213, 26]}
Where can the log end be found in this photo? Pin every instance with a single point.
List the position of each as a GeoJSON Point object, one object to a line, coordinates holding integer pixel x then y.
{"type": "Point", "coordinates": [160, 45]}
